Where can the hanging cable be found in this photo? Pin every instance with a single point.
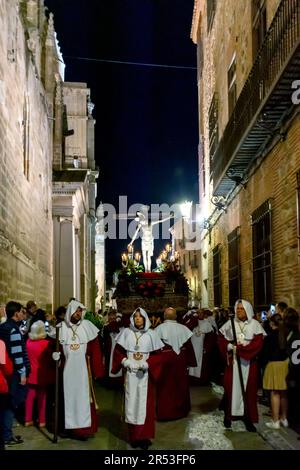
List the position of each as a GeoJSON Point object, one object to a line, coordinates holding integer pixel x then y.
{"type": "Point", "coordinates": [139, 64]}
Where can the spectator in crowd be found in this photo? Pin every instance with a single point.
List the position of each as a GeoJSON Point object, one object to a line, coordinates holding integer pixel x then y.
{"type": "Point", "coordinates": [16, 348]}
{"type": "Point", "coordinates": [266, 323]}
{"type": "Point", "coordinates": [2, 314]}
{"type": "Point", "coordinates": [292, 323]}
{"type": "Point", "coordinates": [281, 308]}
{"type": "Point", "coordinates": [39, 315]}
{"type": "Point", "coordinates": [60, 314]}
{"type": "Point", "coordinates": [222, 316]}
{"type": "Point", "coordinates": [275, 356]}
{"type": "Point", "coordinates": [42, 372]}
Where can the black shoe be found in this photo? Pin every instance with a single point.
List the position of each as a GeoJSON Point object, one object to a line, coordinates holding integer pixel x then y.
{"type": "Point", "coordinates": [221, 406]}
{"type": "Point", "coordinates": [80, 438]}
{"type": "Point", "coordinates": [250, 426]}
{"type": "Point", "coordinates": [144, 445]}
{"type": "Point", "coordinates": [227, 423]}
{"type": "Point", "coordinates": [134, 444]}
{"type": "Point", "coordinates": [14, 441]}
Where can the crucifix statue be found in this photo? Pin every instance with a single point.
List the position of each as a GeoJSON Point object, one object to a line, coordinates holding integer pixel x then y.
{"type": "Point", "coordinates": [146, 235]}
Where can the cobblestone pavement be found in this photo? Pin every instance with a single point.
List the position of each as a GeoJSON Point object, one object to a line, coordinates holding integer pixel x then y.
{"type": "Point", "coordinates": [201, 430]}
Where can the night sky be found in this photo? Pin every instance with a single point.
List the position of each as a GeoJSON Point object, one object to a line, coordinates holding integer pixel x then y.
{"type": "Point", "coordinates": [147, 123]}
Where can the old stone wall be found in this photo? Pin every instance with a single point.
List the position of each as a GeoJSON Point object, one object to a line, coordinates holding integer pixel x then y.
{"type": "Point", "coordinates": [25, 168]}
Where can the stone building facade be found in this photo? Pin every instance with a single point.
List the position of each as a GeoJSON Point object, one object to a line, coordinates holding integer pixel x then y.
{"type": "Point", "coordinates": [187, 249]}
{"type": "Point", "coordinates": [25, 154]}
{"type": "Point", "coordinates": [74, 194]}
{"type": "Point", "coordinates": [100, 266]}
{"type": "Point", "coordinates": [42, 120]}
{"type": "Point", "coordinates": [249, 150]}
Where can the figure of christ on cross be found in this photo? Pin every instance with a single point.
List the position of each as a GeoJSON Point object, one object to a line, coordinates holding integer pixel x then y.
{"type": "Point", "coordinates": [146, 236]}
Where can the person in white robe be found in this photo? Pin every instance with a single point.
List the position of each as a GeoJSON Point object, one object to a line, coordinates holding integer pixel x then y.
{"type": "Point", "coordinates": [250, 336]}
{"type": "Point", "coordinates": [203, 327]}
{"type": "Point", "coordinates": [173, 393]}
{"type": "Point", "coordinates": [135, 352]}
{"type": "Point", "coordinates": [82, 359]}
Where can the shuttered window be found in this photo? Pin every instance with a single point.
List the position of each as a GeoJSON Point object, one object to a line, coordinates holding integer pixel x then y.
{"type": "Point", "coordinates": [217, 280]}
{"type": "Point", "coordinates": [234, 272]}
{"type": "Point", "coordinates": [262, 255]}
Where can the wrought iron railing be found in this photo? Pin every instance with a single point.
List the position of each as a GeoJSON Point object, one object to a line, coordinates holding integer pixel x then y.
{"type": "Point", "coordinates": [282, 39]}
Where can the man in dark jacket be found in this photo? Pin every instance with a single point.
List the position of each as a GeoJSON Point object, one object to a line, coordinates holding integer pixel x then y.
{"type": "Point", "coordinates": [15, 345]}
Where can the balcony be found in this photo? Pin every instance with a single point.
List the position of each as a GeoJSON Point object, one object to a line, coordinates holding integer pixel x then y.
{"type": "Point", "coordinates": [264, 101]}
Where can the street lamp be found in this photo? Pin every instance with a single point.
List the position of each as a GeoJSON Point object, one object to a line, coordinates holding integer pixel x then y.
{"type": "Point", "coordinates": [185, 209]}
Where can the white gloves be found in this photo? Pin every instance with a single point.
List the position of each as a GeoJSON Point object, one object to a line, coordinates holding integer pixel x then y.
{"type": "Point", "coordinates": [130, 365]}
{"type": "Point", "coordinates": [126, 363]}
{"type": "Point", "coordinates": [133, 366]}
{"type": "Point", "coordinates": [56, 356]}
{"type": "Point", "coordinates": [229, 347]}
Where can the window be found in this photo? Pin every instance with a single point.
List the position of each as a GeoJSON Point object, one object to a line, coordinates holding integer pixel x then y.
{"type": "Point", "coordinates": [25, 136]}
{"type": "Point", "coordinates": [211, 10]}
{"type": "Point", "coordinates": [213, 127]}
{"type": "Point", "coordinates": [259, 25]}
{"type": "Point", "coordinates": [217, 276]}
{"type": "Point", "coordinates": [194, 260]}
{"type": "Point", "coordinates": [231, 80]}
{"type": "Point", "coordinates": [262, 255]}
{"type": "Point", "coordinates": [234, 273]}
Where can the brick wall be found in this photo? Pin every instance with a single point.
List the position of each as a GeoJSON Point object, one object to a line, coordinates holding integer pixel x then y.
{"type": "Point", "coordinates": [275, 178]}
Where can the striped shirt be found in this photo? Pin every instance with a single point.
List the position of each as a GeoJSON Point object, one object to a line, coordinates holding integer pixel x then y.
{"type": "Point", "coordinates": [15, 345]}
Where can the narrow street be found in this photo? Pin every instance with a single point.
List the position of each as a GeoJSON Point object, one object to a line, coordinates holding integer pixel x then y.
{"type": "Point", "coordinates": [201, 430]}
